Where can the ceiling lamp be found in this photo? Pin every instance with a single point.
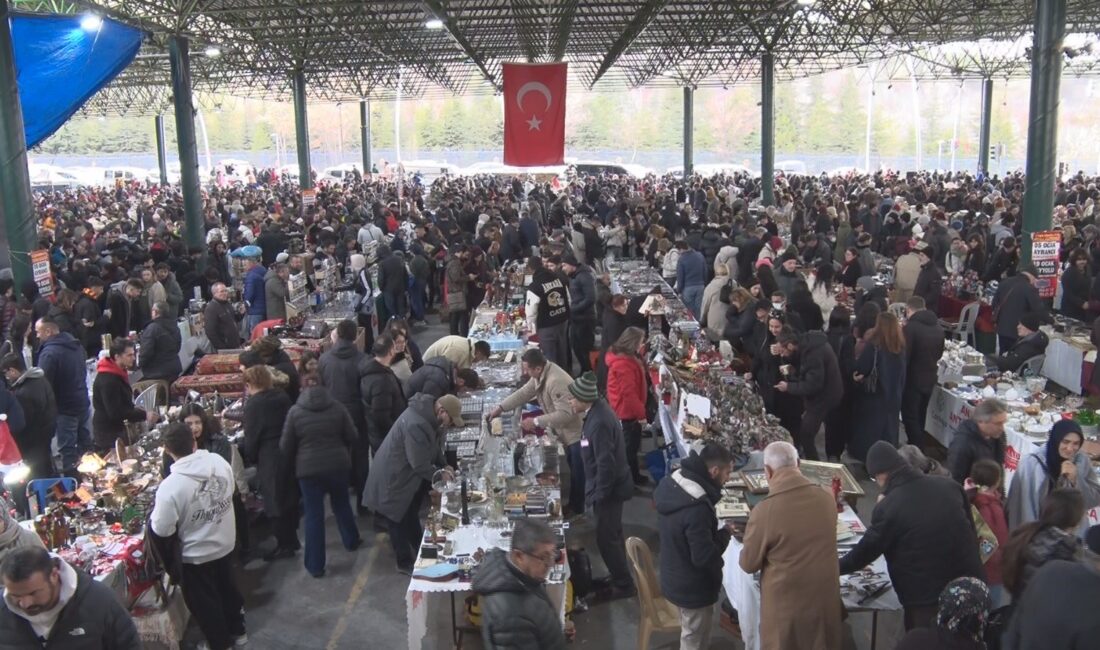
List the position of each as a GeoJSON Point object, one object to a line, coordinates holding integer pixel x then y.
{"type": "Point", "coordinates": [434, 23]}
{"type": "Point", "coordinates": [91, 23]}
{"type": "Point", "coordinates": [212, 52]}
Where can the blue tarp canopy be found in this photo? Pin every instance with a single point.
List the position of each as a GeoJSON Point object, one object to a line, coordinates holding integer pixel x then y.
{"type": "Point", "coordinates": [60, 65]}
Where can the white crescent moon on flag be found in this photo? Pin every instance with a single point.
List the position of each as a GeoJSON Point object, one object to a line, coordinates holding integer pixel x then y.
{"type": "Point", "coordinates": [533, 86]}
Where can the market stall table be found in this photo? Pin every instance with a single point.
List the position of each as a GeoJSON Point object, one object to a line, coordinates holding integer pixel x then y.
{"type": "Point", "coordinates": [743, 589]}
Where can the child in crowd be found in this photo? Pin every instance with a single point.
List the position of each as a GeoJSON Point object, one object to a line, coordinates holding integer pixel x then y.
{"type": "Point", "coordinates": [984, 487]}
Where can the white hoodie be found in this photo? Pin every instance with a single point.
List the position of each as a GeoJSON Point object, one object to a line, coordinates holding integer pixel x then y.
{"type": "Point", "coordinates": [196, 500]}
{"type": "Point", "coordinates": [43, 622]}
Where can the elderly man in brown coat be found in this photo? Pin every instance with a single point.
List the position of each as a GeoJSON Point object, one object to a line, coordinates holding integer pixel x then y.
{"type": "Point", "coordinates": [791, 539]}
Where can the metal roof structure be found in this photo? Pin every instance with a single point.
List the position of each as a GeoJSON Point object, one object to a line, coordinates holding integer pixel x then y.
{"type": "Point", "coordinates": [354, 49]}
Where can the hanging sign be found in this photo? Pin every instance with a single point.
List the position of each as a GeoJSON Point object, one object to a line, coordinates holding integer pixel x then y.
{"type": "Point", "coordinates": [40, 271]}
{"type": "Point", "coordinates": [1045, 246]}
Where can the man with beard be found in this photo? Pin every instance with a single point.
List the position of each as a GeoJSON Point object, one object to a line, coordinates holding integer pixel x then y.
{"type": "Point", "coordinates": [47, 603]}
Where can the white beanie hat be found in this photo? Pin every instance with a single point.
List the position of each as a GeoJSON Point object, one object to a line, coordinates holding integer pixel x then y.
{"type": "Point", "coordinates": [358, 262]}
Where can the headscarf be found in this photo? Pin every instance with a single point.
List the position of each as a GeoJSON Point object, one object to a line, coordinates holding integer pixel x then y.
{"type": "Point", "coordinates": [1060, 430]}
{"type": "Point", "coordinates": [964, 608]}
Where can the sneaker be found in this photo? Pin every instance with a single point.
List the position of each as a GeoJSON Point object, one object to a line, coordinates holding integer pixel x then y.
{"type": "Point", "coordinates": [356, 545]}
{"type": "Point", "coordinates": [279, 554]}
{"type": "Point", "coordinates": [240, 641]}
{"type": "Point", "coordinates": [405, 570]}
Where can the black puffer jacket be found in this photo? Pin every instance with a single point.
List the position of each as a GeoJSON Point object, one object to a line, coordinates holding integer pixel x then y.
{"type": "Point", "coordinates": [710, 243]}
{"type": "Point", "coordinates": [969, 446]}
{"type": "Point", "coordinates": [923, 527]}
{"type": "Point", "coordinates": [739, 325]}
{"type": "Point", "coordinates": [435, 377]}
{"type": "Point", "coordinates": [582, 296]}
{"type": "Point", "coordinates": [923, 349]}
{"type": "Point", "coordinates": [340, 369]}
{"type": "Point", "coordinates": [318, 435]}
{"type": "Point", "coordinates": [692, 544]}
{"type": "Point", "coordinates": [516, 613]}
{"type": "Point", "coordinates": [818, 379]}
{"type": "Point", "coordinates": [603, 452]}
{"type": "Point", "coordinates": [1027, 347]}
{"type": "Point", "coordinates": [93, 619]}
{"type": "Point", "coordinates": [383, 400]}
{"type": "Point", "coordinates": [160, 350]}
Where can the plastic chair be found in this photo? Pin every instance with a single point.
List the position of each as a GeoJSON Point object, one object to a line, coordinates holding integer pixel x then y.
{"type": "Point", "coordinates": [41, 489]}
{"type": "Point", "coordinates": [657, 615]}
{"type": "Point", "coordinates": [162, 390]}
{"type": "Point", "coordinates": [898, 310]}
{"type": "Point", "coordinates": [963, 329]}
{"type": "Point", "coordinates": [1033, 367]}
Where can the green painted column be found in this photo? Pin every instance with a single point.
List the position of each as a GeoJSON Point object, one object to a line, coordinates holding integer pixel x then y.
{"type": "Point", "coordinates": [162, 151]}
{"type": "Point", "coordinates": [689, 131]}
{"type": "Point", "coordinates": [301, 131]}
{"type": "Point", "coordinates": [364, 133]}
{"type": "Point", "coordinates": [767, 128]}
{"type": "Point", "coordinates": [179, 57]}
{"type": "Point", "coordinates": [16, 205]}
{"type": "Point", "coordinates": [985, 126]}
{"type": "Point", "coordinates": [1042, 129]}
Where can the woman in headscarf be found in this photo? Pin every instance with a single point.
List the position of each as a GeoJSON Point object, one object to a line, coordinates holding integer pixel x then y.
{"type": "Point", "coordinates": [964, 606]}
{"type": "Point", "coordinates": [1059, 463]}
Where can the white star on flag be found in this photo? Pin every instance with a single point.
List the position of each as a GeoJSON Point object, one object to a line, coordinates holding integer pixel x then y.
{"type": "Point", "coordinates": [534, 123]}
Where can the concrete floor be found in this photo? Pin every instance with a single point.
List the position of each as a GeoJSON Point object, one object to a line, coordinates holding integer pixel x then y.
{"type": "Point", "coordinates": [360, 603]}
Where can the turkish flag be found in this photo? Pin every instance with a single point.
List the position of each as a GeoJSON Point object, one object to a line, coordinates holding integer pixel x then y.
{"type": "Point", "coordinates": [534, 114]}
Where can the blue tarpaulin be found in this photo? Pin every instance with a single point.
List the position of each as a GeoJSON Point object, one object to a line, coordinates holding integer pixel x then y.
{"type": "Point", "coordinates": [60, 65]}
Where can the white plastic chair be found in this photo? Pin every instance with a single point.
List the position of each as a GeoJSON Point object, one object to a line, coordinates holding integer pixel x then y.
{"type": "Point", "coordinates": [963, 329]}
{"type": "Point", "coordinates": [1033, 367]}
{"type": "Point", "coordinates": [898, 310]}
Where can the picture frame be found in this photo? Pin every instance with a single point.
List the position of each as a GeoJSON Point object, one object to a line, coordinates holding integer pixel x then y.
{"type": "Point", "coordinates": [755, 481]}
{"type": "Point", "coordinates": [822, 473]}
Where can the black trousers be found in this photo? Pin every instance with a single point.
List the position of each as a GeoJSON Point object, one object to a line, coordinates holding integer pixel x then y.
{"type": "Point", "coordinates": [407, 534]}
{"type": "Point", "coordinates": [920, 617]}
{"type": "Point", "coordinates": [837, 425]}
{"type": "Point", "coordinates": [610, 541]}
{"type": "Point", "coordinates": [360, 467]}
{"type": "Point", "coordinates": [914, 408]}
{"type": "Point", "coordinates": [460, 322]}
{"type": "Point", "coordinates": [210, 591]}
{"type": "Point", "coordinates": [807, 433]}
{"type": "Point", "coordinates": [632, 433]}
{"type": "Point", "coordinates": [582, 339]}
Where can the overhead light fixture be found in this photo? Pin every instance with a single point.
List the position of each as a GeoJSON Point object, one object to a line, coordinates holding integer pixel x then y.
{"type": "Point", "coordinates": [806, 3]}
{"type": "Point", "coordinates": [434, 23]}
{"type": "Point", "coordinates": [212, 52]}
{"type": "Point", "coordinates": [91, 23]}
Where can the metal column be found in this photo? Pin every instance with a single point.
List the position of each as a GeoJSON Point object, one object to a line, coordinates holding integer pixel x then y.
{"type": "Point", "coordinates": [984, 129]}
{"type": "Point", "coordinates": [689, 131]}
{"type": "Point", "coordinates": [19, 236]}
{"type": "Point", "coordinates": [767, 128]}
{"type": "Point", "coordinates": [364, 126]}
{"type": "Point", "coordinates": [1042, 129]}
{"type": "Point", "coordinates": [301, 131]}
{"type": "Point", "coordinates": [179, 58]}
{"type": "Point", "coordinates": [162, 151]}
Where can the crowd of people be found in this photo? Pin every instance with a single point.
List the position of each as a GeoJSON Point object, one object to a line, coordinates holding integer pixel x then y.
{"type": "Point", "coordinates": [794, 290]}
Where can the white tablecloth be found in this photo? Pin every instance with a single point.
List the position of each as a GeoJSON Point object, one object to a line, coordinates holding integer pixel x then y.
{"type": "Point", "coordinates": [744, 592]}
{"type": "Point", "coordinates": [1063, 364]}
{"type": "Point", "coordinates": [423, 595]}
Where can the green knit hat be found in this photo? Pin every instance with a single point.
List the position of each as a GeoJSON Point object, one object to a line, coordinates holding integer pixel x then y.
{"type": "Point", "coordinates": [584, 387]}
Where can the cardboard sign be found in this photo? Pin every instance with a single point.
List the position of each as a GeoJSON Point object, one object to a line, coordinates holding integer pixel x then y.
{"type": "Point", "coordinates": [1045, 246]}
{"type": "Point", "coordinates": [309, 197]}
{"type": "Point", "coordinates": [40, 271]}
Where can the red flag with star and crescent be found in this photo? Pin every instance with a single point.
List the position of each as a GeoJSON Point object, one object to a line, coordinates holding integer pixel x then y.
{"type": "Point", "coordinates": [534, 114]}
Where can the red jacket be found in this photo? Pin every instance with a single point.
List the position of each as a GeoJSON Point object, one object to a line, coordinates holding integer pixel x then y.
{"type": "Point", "coordinates": [992, 510]}
{"type": "Point", "coordinates": [626, 386]}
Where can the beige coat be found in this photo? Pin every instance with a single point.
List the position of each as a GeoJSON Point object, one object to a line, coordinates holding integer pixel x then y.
{"type": "Point", "coordinates": [714, 310]}
{"type": "Point", "coordinates": [906, 270]}
{"type": "Point", "coordinates": [552, 392]}
{"type": "Point", "coordinates": [459, 350]}
{"type": "Point", "coordinates": [791, 538]}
